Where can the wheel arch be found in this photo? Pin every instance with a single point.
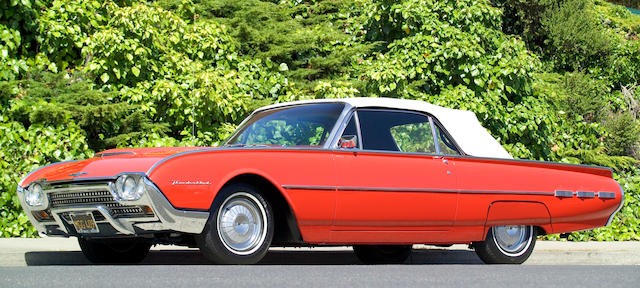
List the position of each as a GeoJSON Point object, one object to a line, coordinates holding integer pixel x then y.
{"type": "Point", "coordinates": [286, 231]}
{"type": "Point", "coordinates": [532, 213]}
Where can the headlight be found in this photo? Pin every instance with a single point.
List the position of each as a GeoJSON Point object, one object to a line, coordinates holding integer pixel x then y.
{"type": "Point", "coordinates": [34, 196]}
{"type": "Point", "coordinates": [129, 187]}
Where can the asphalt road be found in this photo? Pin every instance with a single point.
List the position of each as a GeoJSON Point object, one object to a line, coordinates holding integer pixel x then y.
{"type": "Point", "coordinates": [322, 276]}
{"type": "Point", "coordinates": [59, 263]}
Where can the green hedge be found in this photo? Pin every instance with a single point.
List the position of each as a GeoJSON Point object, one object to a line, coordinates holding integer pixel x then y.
{"type": "Point", "coordinates": [77, 77]}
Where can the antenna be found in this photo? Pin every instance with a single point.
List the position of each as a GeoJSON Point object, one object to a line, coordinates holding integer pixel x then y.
{"type": "Point", "coordinates": [193, 92]}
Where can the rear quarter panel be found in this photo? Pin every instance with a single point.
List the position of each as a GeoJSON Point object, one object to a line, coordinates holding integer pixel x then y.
{"type": "Point", "coordinates": [533, 182]}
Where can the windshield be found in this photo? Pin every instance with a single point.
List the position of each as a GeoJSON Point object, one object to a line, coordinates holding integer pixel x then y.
{"type": "Point", "coordinates": [304, 125]}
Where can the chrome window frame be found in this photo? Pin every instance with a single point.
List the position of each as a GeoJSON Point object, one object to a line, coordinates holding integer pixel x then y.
{"type": "Point", "coordinates": [353, 114]}
{"type": "Point", "coordinates": [436, 141]}
{"type": "Point", "coordinates": [433, 121]}
{"type": "Point", "coordinates": [330, 138]}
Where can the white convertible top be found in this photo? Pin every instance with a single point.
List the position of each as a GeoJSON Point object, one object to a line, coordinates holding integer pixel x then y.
{"type": "Point", "coordinates": [462, 125]}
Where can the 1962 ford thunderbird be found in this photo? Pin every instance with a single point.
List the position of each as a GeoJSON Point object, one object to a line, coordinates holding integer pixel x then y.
{"type": "Point", "coordinates": [378, 174]}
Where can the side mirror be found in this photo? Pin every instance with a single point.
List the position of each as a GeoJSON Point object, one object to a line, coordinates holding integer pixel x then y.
{"type": "Point", "coordinates": [348, 141]}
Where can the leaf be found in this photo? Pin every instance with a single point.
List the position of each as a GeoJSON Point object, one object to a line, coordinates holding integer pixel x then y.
{"type": "Point", "coordinates": [135, 71]}
{"type": "Point", "coordinates": [104, 77]}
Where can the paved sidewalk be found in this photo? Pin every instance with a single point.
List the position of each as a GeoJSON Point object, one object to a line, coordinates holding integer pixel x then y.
{"type": "Point", "coordinates": [65, 251]}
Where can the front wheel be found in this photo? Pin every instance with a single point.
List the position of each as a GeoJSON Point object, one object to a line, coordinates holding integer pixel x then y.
{"type": "Point", "coordinates": [507, 244]}
{"type": "Point", "coordinates": [382, 254]}
{"type": "Point", "coordinates": [111, 251]}
{"type": "Point", "coordinates": [240, 228]}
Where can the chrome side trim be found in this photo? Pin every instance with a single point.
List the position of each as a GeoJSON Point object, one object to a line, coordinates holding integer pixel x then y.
{"type": "Point", "coordinates": [178, 155]}
{"type": "Point", "coordinates": [607, 195]}
{"type": "Point", "coordinates": [385, 189]}
{"type": "Point", "coordinates": [306, 187]}
{"type": "Point", "coordinates": [585, 194]}
{"type": "Point", "coordinates": [416, 190]}
{"type": "Point", "coordinates": [539, 193]}
{"type": "Point", "coordinates": [563, 194]}
{"type": "Point", "coordinates": [619, 207]}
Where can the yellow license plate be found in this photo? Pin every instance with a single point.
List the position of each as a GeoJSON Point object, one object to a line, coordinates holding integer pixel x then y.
{"type": "Point", "coordinates": [84, 222]}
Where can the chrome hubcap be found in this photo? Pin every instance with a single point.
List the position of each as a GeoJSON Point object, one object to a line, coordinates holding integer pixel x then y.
{"type": "Point", "coordinates": [242, 223]}
{"type": "Point", "coordinates": [512, 240]}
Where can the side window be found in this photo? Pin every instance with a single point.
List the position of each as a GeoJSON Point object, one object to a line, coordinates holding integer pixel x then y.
{"type": "Point", "coordinates": [351, 127]}
{"type": "Point", "coordinates": [396, 131]}
{"type": "Point", "coordinates": [414, 137]}
{"type": "Point", "coordinates": [445, 145]}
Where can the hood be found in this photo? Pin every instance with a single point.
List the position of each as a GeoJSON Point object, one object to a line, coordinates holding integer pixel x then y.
{"type": "Point", "coordinates": [105, 164]}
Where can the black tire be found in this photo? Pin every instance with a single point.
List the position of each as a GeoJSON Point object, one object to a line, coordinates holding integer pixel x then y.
{"type": "Point", "coordinates": [491, 251]}
{"type": "Point", "coordinates": [115, 251]}
{"type": "Point", "coordinates": [382, 254]}
{"type": "Point", "coordinates": [218, 246]}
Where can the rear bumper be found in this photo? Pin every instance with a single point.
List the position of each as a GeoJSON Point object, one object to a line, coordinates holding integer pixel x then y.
{"type": "Point", "coordinates": [165, 217]}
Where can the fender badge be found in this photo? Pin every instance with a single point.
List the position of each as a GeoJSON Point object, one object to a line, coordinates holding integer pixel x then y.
{"type": "Point", "coordinates": [176, 182]}
{"type": "Point", "coordinates": [78, 174]}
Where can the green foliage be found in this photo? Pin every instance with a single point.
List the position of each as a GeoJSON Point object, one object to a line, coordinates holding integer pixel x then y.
{"type": "Point", "coordinates": [576, 39]}
{"type": "Point", "coordinates": [623, 134]}
{"type": "Point", "coordinates": [598, 157]}
{"type": "Point", "coordinates": [583, 96]}
{"type": "Point", "coordinates": [621, 18]}
{"type": "Point", "coordinates": [16, 36]}
{"type": "Point", "coordinates": [53, 99]}
{"type": "Point", "coordinates": [22, 150]}
{"type": "Point", "coordinates": [145, 43]}
{"type": "Point", "coordinates": [310, 40]}
{"type": "Point", "coordinates": [623, 67]}
{"type": "Point", "coordinates": [579, 35]}
{"type": "Point", "coordinates": [628, 3]}
{"type": "Point", "coordinates": [65, 28]}
{"type": "Point", "coordinates": [453, 54]}
{"type": "Point", "coordinates": [335, 89]}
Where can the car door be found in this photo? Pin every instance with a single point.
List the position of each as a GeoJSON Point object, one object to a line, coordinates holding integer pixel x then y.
{"type": "Point", "coordinates": [394, 179]}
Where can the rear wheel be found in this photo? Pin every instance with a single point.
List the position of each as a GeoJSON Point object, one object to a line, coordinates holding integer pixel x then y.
{"type": "Point", "coordinates": [507, 244]}
{"type": "Point", "coordinates": [240, 227]}
{"type": "Point", "coordinates": [382, 254]}
{"type": "Point", "coordinates": [111, 251]}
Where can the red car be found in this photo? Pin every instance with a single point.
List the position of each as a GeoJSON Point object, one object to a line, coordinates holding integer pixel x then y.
{"type": "Point", "coordinates": [378, 174]}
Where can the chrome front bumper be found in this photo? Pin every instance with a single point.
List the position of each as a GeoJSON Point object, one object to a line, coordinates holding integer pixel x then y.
{"type": "Point", "coordinates": [165, 217]}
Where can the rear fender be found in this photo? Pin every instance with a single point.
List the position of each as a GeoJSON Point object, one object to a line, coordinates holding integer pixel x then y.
{"type": "Point", "coordinates": [518, 213]}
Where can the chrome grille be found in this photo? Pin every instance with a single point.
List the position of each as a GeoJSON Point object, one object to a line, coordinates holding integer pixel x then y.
{"type": "Point", "coordinates": [92, 195]}
{"type": "Point", "coordinates": [66, 199]}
